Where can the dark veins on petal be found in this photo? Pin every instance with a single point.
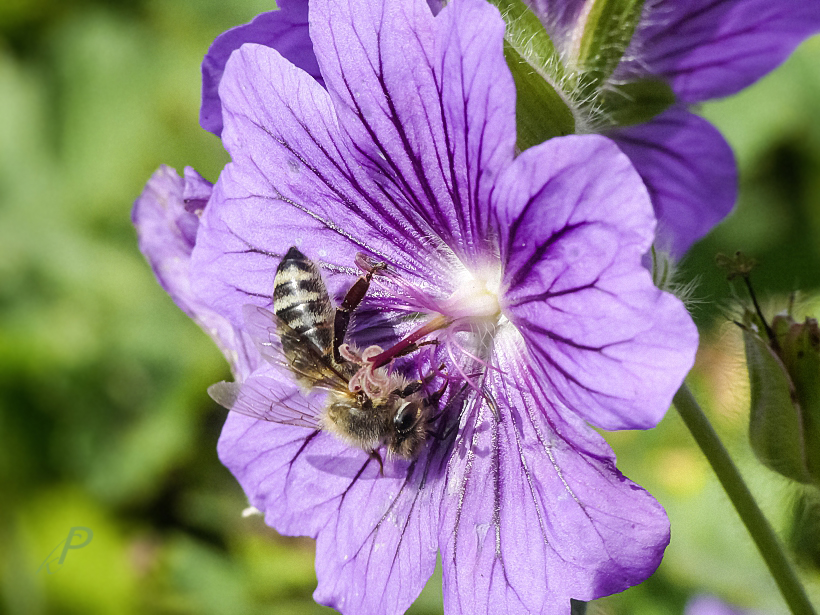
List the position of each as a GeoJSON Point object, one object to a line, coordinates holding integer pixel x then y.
{"type": "Point", "coordinates": [540, 253]}
{"type": "Point", "coordinates": [397, 220]}
{"type": "Point", "coordinates": [427, 206]}
{"type": "Point", "coordinates": [541, 355]}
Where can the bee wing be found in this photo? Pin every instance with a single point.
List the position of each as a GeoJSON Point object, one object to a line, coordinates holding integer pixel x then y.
{"type": "Point", "coordinates": [267, 399]}
{"type": "Point", "coordinates": [261, 326]}
{"type": "Point", "coordinates": [268, 330]}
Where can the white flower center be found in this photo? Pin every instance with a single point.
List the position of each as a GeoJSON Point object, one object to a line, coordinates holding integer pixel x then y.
{"type": "Point", "coordinates": [476, 298]}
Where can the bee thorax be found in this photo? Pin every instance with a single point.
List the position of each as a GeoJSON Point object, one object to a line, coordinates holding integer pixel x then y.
{"type": "Point", "coordinates": [357, 423]}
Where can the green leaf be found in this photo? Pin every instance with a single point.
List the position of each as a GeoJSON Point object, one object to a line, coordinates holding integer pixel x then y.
{"type": "Point", "coordinates": [526, 34]}
{"type": "Point", "coordinates": [608, 31]}
{"type": "Point", "coordinates": [542, 112]}
{"type": "Point", "coordinates": [637, 102]}
{"type": "Point", "coordinates": [805, 528]}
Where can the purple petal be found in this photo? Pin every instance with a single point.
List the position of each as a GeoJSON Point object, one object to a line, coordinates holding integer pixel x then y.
{"type": "Point", "coordinates": [167, 230]}
{"type": "Point", "coordinates": [242, 240]}
{"type": "Point", "coordinates": [296, 178]}
{"type": "Point", "coordinates": [428, 103]}
{"type": "Point", "coordinates": [293, 182]}
{"type": "Point", "coordinates": [611, 345]}
{"type": "Point", "coordinates": [559, 18]}
{"type": "Point", "coordinates": [436, 6]}
{"type": "Point", "coordinates": [285, 30]}
{"type": "Point", "coordinates": [690, 173]}
{"type": "Point", "coordinates": [536, 512]}
{"type": "Point", "coordinates": [197, 191]}
{"type": "Point", "coordinates": [713, 48]}
{"type": "Point", "coordinates": [710, 605]}
{"type": "Point", "coordinates": [376, 535]}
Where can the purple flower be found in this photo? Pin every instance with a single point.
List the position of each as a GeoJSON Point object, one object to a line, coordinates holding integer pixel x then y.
{"type": "Point", "coordinates": [710, 605]}
{"type": "Point", "coordinates": [529, 266]}
{"type": "Point", "coordinates": [703, 49]}
{"type": "Point", "coordinates": [166, 216]}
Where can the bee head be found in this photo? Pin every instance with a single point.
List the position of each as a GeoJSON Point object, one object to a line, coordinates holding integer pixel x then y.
{"type": "Point", "coordinates": [409, 429]}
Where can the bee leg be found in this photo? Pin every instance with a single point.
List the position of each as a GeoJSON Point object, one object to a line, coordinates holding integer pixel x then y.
{"type": "Point", "coordinates": [351, 301]}
{"type": "Point", "coordinates": [374, 454]}
{"type": "Point", "coordinates": [417, 385]}
{"type": "Point", "coordinates": [436, 397]}
{"type": "Point", "coordinates": [441, 437]}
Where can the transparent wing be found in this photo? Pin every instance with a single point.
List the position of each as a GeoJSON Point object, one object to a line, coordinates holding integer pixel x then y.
{"type": "Point", "coordinates": [261, 326]}
{"type": "Point", "coordinates": [269, 400]}
{"type": "Point", "coordinates": [307, 362]}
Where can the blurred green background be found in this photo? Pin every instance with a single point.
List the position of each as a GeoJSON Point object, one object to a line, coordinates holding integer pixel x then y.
{"type": "Point", "coordinates": [105, 422]}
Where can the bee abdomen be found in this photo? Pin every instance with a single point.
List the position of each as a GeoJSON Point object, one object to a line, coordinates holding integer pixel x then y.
{"type": "Point", "coordinates": [301, 300]}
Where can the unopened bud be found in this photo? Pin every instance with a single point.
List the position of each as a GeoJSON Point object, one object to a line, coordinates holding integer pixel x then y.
{"type": "Point", "coordinates": [784, 373]}
{"type": "Point", "coordinates": [804, 528]}
{"type": "Point", "coordinates": [569, 86]}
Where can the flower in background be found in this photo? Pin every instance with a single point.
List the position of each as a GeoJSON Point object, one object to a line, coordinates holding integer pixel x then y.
{"type": "Point", "coordinates": [530, 265]}
{"type": "Point", "coordinates": [709, 605]}
{"type": "Point", "coordinates": [627, 70]}
{"type": "Point", "coordinates": [698, 50]}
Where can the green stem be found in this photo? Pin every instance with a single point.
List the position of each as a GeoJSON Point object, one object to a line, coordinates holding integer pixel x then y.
{"type": "Point", "coordinates": [750, 513]}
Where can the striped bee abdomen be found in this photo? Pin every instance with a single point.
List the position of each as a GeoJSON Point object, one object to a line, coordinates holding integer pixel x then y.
{"type": "Point", "coordinates": [301, 300]}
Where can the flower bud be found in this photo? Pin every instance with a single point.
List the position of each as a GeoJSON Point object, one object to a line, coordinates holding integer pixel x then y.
{"type": "Point", "coordinates": [567, 85]}
{"type": "Point", "coordinates": [784, 373]}
{"type": "Point", "coordinates": [542, 109]}
{"type": "Point", "coordinates": [607, 32]}
{"type": "Point", "coordinates": [804, 529]}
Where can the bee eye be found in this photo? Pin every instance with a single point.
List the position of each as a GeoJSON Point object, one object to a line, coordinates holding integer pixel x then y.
{"type": "Point", "coordinates": [405, 417]}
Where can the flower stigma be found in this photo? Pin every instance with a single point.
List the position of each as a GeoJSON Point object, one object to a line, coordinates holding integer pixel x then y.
{"type": "Point", "coordinates": [476, 299]}
{"type": "Point", "coordinates": [474, 306]}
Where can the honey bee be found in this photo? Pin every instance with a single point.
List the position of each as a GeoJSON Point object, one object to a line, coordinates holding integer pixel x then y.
{"type": "Point", "coordinates": [365, 406]}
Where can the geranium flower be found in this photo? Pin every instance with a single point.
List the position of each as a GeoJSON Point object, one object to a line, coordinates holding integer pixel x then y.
{"type": "Point", "coordinates": [710, 605]}
{"type": "Point", "coordinates": [526, 270]}
{"type": "Point", "coordinates": [166, 216]}
{"type": "Point", "coordinates": [703, 50]}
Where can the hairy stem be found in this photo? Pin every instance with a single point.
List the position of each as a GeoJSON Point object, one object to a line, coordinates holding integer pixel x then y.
{"type": "Point", "coordinates": [762, 533]}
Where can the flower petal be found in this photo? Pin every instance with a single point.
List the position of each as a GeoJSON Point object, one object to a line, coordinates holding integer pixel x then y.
{"type": "Point", "coordinates": [297, 179]}
{"type": "Point", "coordinates": [560, 18]}
{"type": "Point", "coordinates": [428, 103]}
{"type": "Point", "coordinates": [167, 224]}
{"type": "Point", "coordinates": [704, 604]}
{"type": "Point", "coordinates": [690, 173]}
{"type": "Point", "coordinates": [291, 182]}
{"type": "Point", "coordinates": [285, 30]}
{"type": "Point", "coordinates": [536, 511]}
{"type": "Point", "coordinates": [242, 240]}
{"type": "Point", "coordinates": [713, 48]}
{"type": "Point", "coordinates": [612, 347]}
{"type": "Point", "coordinates": [376, 534]}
